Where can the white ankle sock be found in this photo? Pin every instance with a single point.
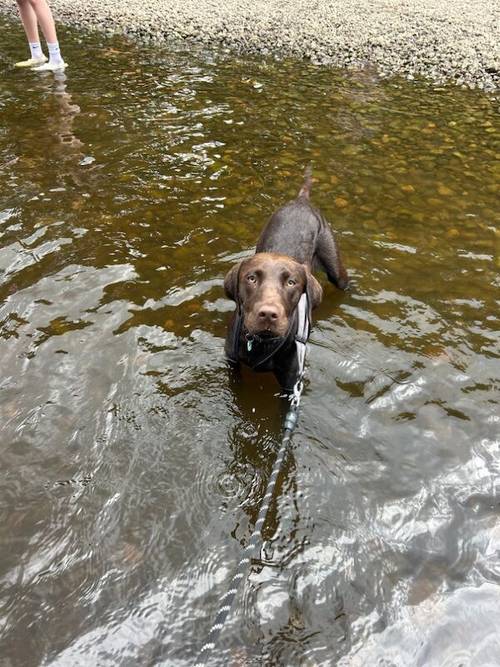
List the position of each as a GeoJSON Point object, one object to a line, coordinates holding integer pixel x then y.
{"type": "Point", "coordinates": [36, 50]}
{"type": "Point", "coordinates": [55, 57]}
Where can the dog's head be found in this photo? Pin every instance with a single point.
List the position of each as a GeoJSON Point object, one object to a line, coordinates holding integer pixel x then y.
{"type": "Point", "coordinates": [268, 288]}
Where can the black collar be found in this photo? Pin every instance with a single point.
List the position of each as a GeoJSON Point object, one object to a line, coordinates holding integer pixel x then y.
{"type": "Point", "coordinates": [260, 349]}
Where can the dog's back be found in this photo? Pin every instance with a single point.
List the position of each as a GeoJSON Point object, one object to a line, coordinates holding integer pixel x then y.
{"type": "Point", "coordinates": [293, 229]}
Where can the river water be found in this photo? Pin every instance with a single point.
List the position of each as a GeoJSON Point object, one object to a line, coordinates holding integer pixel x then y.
{"type": "Point", "coordinates": [132, 465]}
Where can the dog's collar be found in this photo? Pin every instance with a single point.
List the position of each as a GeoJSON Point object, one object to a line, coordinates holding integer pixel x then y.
{"type": "Point", "coordinates": [265, 341]}
{"type": "Point", "coordinates": [260, 349]}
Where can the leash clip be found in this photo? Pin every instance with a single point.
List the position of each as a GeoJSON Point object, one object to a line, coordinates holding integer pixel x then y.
{"type": "Point", "coordinates": [297, 393]}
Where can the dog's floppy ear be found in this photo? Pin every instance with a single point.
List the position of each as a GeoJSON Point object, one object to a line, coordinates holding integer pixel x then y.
{"type": "Point", "coordinates": [313, 289]}
{"type": "Point", "coordinates": [231, 282]}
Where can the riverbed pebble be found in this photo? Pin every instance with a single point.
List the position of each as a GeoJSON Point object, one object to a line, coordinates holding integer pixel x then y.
{"type": "Point", "coordinates": [441, 40]}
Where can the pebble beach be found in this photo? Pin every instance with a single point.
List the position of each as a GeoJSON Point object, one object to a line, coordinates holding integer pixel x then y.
{"type": "Point", "coordinates": [441, 40]}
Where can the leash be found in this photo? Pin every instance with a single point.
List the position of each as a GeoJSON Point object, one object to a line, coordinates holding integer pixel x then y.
{"type": "Point", "coordinates": [291, 418]}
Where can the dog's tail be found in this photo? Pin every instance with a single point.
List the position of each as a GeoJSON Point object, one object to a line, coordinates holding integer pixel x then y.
{"type": "Point", "coordinates": [305, 190]}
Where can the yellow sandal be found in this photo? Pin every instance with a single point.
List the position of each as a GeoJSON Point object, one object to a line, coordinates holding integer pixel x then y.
{"type": "Point", "coordinates": [31, 62]}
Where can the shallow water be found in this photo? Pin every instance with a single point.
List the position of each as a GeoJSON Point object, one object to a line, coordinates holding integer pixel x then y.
{"type": "Point", "coordinates": [132, 465]}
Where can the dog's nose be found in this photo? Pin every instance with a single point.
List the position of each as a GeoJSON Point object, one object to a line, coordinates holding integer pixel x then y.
{"type": "Point", "coordinates": [268, 314]}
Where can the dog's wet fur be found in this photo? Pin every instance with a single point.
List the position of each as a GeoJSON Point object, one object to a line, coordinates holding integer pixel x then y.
{"type": "Point", "coordinates": [267, 287]}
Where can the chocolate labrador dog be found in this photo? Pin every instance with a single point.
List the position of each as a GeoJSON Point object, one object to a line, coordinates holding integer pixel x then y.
{"type": "Point", "coordinates": [267, 287]}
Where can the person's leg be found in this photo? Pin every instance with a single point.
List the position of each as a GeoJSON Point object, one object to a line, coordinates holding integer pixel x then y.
{"type": "Point", "coordinates": [28, 18]}
{"type": "Point", "coordinates": [46, 22]}
{"type": "Point", "coordinates": [45, 19]}
{"type": "Point", "coordinates": [30, 25]}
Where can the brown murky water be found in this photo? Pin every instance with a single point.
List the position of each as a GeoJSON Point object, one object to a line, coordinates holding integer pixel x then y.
{"type": "Point", "coordinates": [132, 467]}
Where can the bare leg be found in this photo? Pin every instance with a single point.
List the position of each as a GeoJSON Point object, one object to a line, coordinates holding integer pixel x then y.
{"type": "Point", "coordinates": [28, 18]}
{"type": "Point", "coordinates": [45, 19]}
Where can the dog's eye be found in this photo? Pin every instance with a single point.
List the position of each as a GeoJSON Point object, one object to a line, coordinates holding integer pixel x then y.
{"type": "Point", "coordinates": [251, 278]}
{"type": "Point", "coordinates": [291, 282]}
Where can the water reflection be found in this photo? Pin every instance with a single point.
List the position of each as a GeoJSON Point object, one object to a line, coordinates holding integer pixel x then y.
{"type": "Point", "coordinates": [67, 149]}
{"type": "Point", "coordinates": [64, 120]}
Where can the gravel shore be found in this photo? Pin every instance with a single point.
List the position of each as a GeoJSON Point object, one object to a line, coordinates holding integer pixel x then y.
{"type": "Point", "coordinates": [443, 40]}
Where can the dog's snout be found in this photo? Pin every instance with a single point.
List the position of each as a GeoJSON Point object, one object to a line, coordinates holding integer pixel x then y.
{"type": "Point", "coordinates": [268, 314]}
